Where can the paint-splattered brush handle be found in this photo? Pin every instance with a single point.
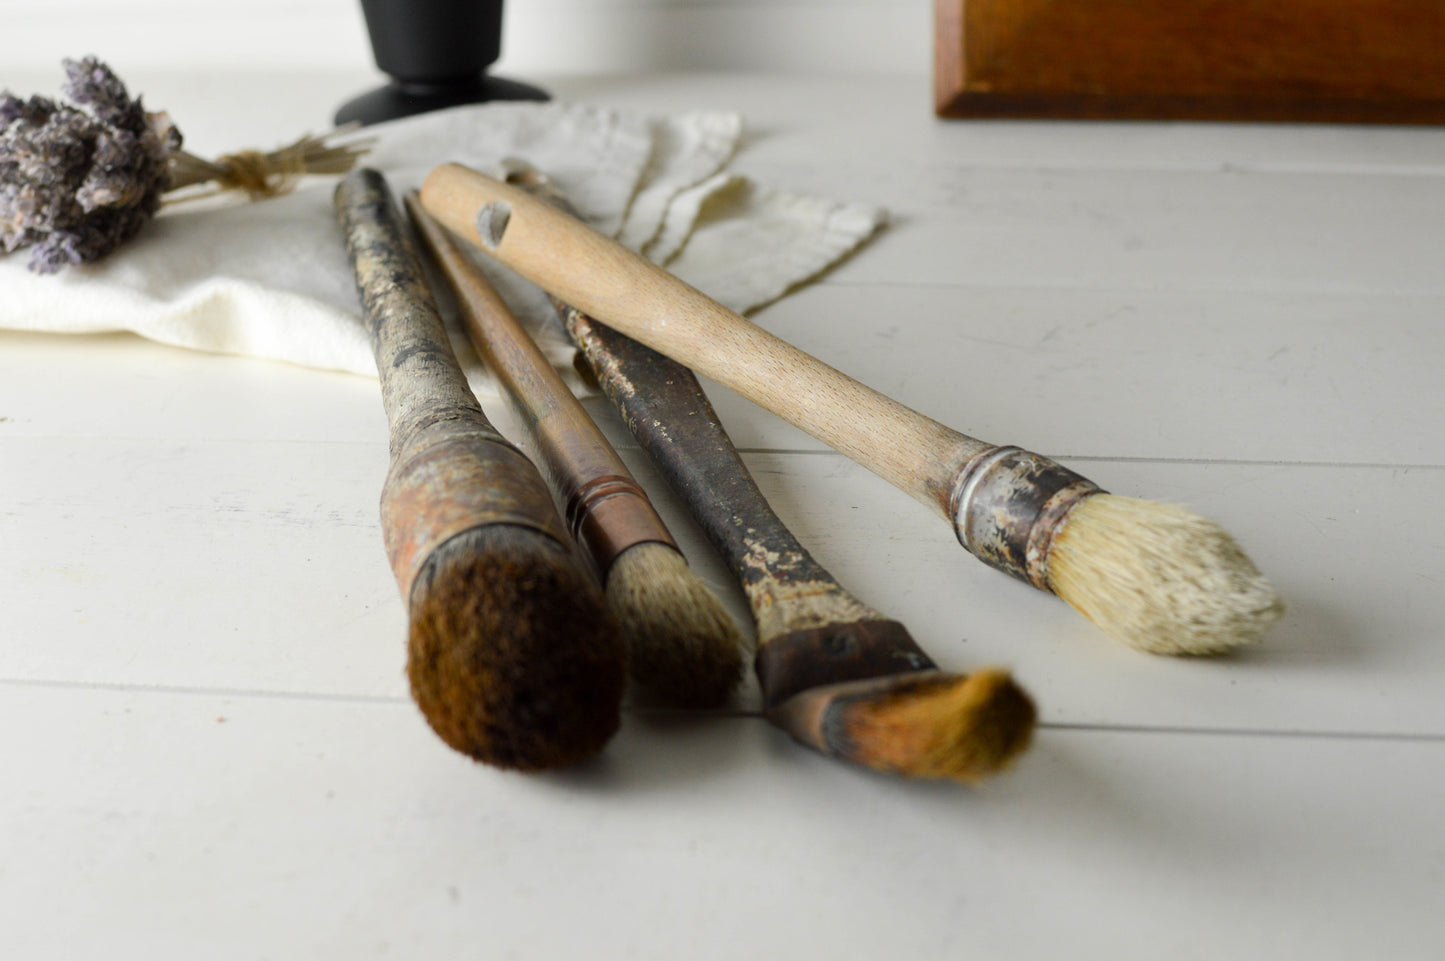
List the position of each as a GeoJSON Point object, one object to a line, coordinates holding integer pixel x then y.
{"type": "Point", "coordinates": [811, 631]}
{"type": "Point", "coordinates": [451, 470]}
{"type": "Point", "coordinates": [664, 407]}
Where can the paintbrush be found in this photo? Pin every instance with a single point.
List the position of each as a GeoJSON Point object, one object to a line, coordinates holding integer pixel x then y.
{"type": "Point", "coordinates": [816, 641]}
{"type": "Point", "coordinates": [684, 647]}
{"type": "Point", "coordinates": [835, 674]}
{"type": "Point", "coordinates": [1156, 576]}
{"type": "Point", "coordinates": [512, 654]}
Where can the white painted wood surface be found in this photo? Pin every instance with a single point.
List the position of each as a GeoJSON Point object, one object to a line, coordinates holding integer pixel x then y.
{"type": "Point", "coordinates": [208, 747]}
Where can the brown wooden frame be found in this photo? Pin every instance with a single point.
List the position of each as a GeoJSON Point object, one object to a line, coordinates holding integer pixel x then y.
{"type": "Point", "coordinates": [1364, 61]}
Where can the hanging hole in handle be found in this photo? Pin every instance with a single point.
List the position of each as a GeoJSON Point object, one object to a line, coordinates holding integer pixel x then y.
{"type": "Point", "coordinates": [491, 222]}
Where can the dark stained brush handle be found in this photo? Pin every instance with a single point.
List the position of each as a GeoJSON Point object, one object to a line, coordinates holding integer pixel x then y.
{"type": "Point", "coordinates": [811, 631]}
{"type": "Point", "coordinates": [665, 408]}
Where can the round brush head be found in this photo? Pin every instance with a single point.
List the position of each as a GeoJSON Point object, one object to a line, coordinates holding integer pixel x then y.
{"type": "Point", "coordinates": [513, 655]}
{"type": "Point", "coordinates": [1159, 577]}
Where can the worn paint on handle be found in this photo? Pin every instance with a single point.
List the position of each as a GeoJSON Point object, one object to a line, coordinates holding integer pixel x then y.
{"type": "Point", "coordinates": [450, 469]}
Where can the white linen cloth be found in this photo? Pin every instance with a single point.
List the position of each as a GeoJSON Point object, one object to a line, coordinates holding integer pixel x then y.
{"type": "Point", "coordinates": [271, 278]}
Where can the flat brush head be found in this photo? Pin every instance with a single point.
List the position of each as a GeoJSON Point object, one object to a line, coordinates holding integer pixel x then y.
{"type": "Point", "coordinates": [926, 724]}
{"type": "Point", "coordinates": [684, 648]}
{"type": "Point", "coordinates": [1160, 577]}
{"type": "Point", "coordinates": [513, 656]}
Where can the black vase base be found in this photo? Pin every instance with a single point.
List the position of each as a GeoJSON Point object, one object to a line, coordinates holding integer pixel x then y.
{"type": "Point", "coordinates": [397, 99]}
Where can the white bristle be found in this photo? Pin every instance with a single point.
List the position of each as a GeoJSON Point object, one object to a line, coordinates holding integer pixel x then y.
{"type": "Point", "coordinates": [1159, 577]}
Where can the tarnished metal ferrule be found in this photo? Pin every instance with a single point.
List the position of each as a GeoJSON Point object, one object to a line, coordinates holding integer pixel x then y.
{"type": "Point", "coordinates": [1007, 506]}
{"type": "Point", "coordinates": [835, 653]}
{"type": "Point", "coordinates": [818, 716]}
{"type": "Point", "coordinates": [450, 486]}
{"type": "Point", "coordinates": [611, 513]}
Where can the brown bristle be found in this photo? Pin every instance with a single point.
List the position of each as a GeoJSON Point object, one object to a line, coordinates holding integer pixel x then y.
{"type": "Point", "coordinates": [514, 658]}
{"type": "Point", "coordinates": [944, 726]}
{"type": "Point", "coordinates": [684, 648]}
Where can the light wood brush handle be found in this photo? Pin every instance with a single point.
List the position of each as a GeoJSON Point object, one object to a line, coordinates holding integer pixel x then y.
{"type": "Point", "coordinates": [606, 280]}
{"type": "Point", "coordinates": [1155, 576]}
{"type": "Point", "coordinates": [995, 497]}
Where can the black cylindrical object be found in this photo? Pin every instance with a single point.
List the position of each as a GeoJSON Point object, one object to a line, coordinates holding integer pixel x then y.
{"type": "Point", "coordinates": [434, 41]}
{"type": "Point", "coordinates": [437, 53]}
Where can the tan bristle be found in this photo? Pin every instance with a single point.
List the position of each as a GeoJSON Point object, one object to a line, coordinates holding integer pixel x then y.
{"type": "Point", "coordinates": [1160, 577]}
{"type": "Point", "coordinates": [514, 658]}
{"type": "Point", "coordinates": [959, 728]}
{"type": "Point", "coordinates": [684, 648]}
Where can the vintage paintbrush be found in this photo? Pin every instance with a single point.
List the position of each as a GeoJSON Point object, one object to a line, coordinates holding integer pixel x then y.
{"type": "Point", "coordinates": [513, 655]}
{"type": "Point", "coordinates": [1156, 576]}
{"type": "Point", "coordinates": [835, 674]}
{"type": "Point", "coordinates": [685, 649]}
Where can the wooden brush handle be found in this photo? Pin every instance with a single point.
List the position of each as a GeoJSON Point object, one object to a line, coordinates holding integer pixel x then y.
{"type": "Point", "coordinates": [419, 373]}
{"type": "Point", "coordinates": [1003, 503]}
{"type": "Point", "coordinates": [665, 408]}
{"type": "Point", "coordinates": [450, 469]}
{"type": "Point", "coordinates": [607, 281]}
{"type": "Point", "coordinates": [829, 664]}
{"type": "Point", "coordinates": [811, 631]}
{"type": "Point", "coordinates": [606, 509]}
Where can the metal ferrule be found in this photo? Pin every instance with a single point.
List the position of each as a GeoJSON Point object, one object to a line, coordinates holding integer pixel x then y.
{"type": "Point", "coordinates": [1007, 506]}
{"type": "Point", "coordinates": [609, 514]}
{"type": "Point", "coordinates": [819, 716]}
{"type": "Point", "coordinates": [833, 653]}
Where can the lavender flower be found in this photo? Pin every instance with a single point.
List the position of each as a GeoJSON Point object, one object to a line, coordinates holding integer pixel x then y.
{"type": "Point", "coordinates": [75, 184]}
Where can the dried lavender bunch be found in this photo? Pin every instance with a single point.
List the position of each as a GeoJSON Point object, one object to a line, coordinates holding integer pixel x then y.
{"type": "Point", "coordinates": [75, 184]}
{"type": "Point", "coordinates": [77, 181]}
